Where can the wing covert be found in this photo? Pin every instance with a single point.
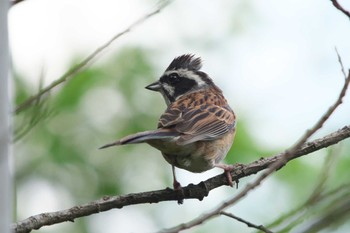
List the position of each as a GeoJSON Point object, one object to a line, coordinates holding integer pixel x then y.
{"type": "Point", "coordinates": [199, 123]}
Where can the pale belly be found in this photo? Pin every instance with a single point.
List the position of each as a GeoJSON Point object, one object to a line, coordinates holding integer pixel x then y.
{"type": "Point", "coordinates": [195, 157]}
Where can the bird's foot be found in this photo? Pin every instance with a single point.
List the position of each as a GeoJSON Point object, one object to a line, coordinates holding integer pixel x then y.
{"type": "Point", "coordinates": [177, 187]}
{"type": "Point", "coordinates": [227, 170]}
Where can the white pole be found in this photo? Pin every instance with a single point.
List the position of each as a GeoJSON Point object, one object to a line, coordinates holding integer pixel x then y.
{"type": "Point", "coordinates": [6, 203]}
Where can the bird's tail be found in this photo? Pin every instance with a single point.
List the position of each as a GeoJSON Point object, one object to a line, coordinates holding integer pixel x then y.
{"type": "Point", "coordinates": [143, 137]}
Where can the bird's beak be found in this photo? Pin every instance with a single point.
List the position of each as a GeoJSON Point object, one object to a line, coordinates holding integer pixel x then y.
{"type": "Point", "coordinates": [154, 86]}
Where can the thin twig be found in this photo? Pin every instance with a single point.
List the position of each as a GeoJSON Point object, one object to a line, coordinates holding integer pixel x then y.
{"type": "Point", "coordinates": [338, 212]}
{"type": "Point", "coordinates": [298, 214]}
{"type": "Point", "coordinates": [249, 224]}
{"type": "Point", "coordinates": [339, 7]}
{"type": "Point", "coordinates": [191, 191]}
{"type": "Point", "coordinates": [328, 167]}
{"type": "Point", "coordinates": [275, 166]}
{"type": "Point", "coordinates": [340, 62]}
{"type": "Point", "coordinates": [79, 67]}
{"type": "Point", "coordinates": [302, 215]}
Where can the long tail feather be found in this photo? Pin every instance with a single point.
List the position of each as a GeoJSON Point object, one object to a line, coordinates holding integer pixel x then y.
{"type": "Point", "coordinates": [143, 137]}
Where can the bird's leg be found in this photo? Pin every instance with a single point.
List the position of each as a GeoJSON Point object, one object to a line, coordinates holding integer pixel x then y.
{"type": "Point", "coordinates": [176, 184]}
{"type": "Point", "coordinates": [177, 187]}
{"type": "Point", "coordinates": [227, 170]}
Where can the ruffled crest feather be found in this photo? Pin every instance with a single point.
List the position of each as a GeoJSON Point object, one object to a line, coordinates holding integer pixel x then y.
{"type": "Point", "coordinates": [186, 61]}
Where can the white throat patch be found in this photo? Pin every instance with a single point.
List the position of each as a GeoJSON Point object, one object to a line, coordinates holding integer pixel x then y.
{"type": "Point", "coordinates": [169, 89]}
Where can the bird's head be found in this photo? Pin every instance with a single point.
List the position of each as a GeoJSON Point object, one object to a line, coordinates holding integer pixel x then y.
{"type": "Point", "coordinates": [183, 76]}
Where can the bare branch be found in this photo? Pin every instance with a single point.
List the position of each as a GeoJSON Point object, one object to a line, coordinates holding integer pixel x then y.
{"type": "Point", "coordinates": [191, 191]}
{"type": "Point", "coordinates": [249, 224]}
{"type": "Point", "coordinates": [85, 62]}
{"type": "Point", "coordinates": [319, 195]}
{"type": "Point", "coordinates": [339, 7]}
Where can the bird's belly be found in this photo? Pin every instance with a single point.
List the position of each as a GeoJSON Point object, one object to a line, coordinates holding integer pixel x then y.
{"type": "Point", "coordinates": [182, 156]}
{"type": "Point", "coordinates": [195, 157]}
{"type": "Point", "coordinates": [171, 147]}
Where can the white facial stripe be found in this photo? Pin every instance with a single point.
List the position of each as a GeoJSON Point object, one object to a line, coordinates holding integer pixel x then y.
{"type": "Point", "coordinates": [169, 89]}
{"type": "Point", "coordinates": [197, 78]}
{"type": "Point", "coordinates": [188, 74]}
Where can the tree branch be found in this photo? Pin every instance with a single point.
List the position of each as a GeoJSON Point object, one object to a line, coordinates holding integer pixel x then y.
{"type": "Point", "coordinates": [249, 224]}
{"type": "Point", "coordinates": [339, 7]}
{"type": "Point", "coordinates": [85, 62]}
{"type": "Point", "coordinates": [191, 191]}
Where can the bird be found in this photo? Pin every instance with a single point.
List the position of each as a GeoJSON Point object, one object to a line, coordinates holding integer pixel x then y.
{"type": "Point", "coordinates": [198, 127]}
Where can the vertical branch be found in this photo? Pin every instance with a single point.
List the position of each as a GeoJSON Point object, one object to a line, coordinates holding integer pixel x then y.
{"type": "Point", "coordinates": [5, 174]}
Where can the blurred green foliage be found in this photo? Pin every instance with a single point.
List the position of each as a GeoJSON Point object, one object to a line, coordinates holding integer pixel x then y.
{"type": "Point", "coordinates": [57, 140]}
{"type": "Point", "coordinates": [64, 137]}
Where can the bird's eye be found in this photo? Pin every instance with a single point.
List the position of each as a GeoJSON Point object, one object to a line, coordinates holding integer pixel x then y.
{"type": "Point", "coordinates": [174, 78]}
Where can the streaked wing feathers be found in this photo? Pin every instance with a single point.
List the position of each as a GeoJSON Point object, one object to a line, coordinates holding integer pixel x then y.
{"type": "Point", "coordinates": [206, 122]}
{"type": "Point", "coordinates": [170, 117]}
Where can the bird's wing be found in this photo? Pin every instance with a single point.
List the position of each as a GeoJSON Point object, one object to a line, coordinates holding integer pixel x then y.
{"type": "Point", "coordinates": [199, 123]}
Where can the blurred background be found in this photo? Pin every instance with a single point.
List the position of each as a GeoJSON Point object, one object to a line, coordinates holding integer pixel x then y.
{"type": "Point", "coordinates": [274, 60]}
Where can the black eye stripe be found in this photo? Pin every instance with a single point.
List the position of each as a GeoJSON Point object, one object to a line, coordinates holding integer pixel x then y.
{"type": "Point", "coordinates": [175, 84]}
{"type": "Point", "coordinates": [171, 79]}
{"type": "Point", "coordinates": [173, 75]}
{"type": "Point", "coordinates": [174, 78]}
